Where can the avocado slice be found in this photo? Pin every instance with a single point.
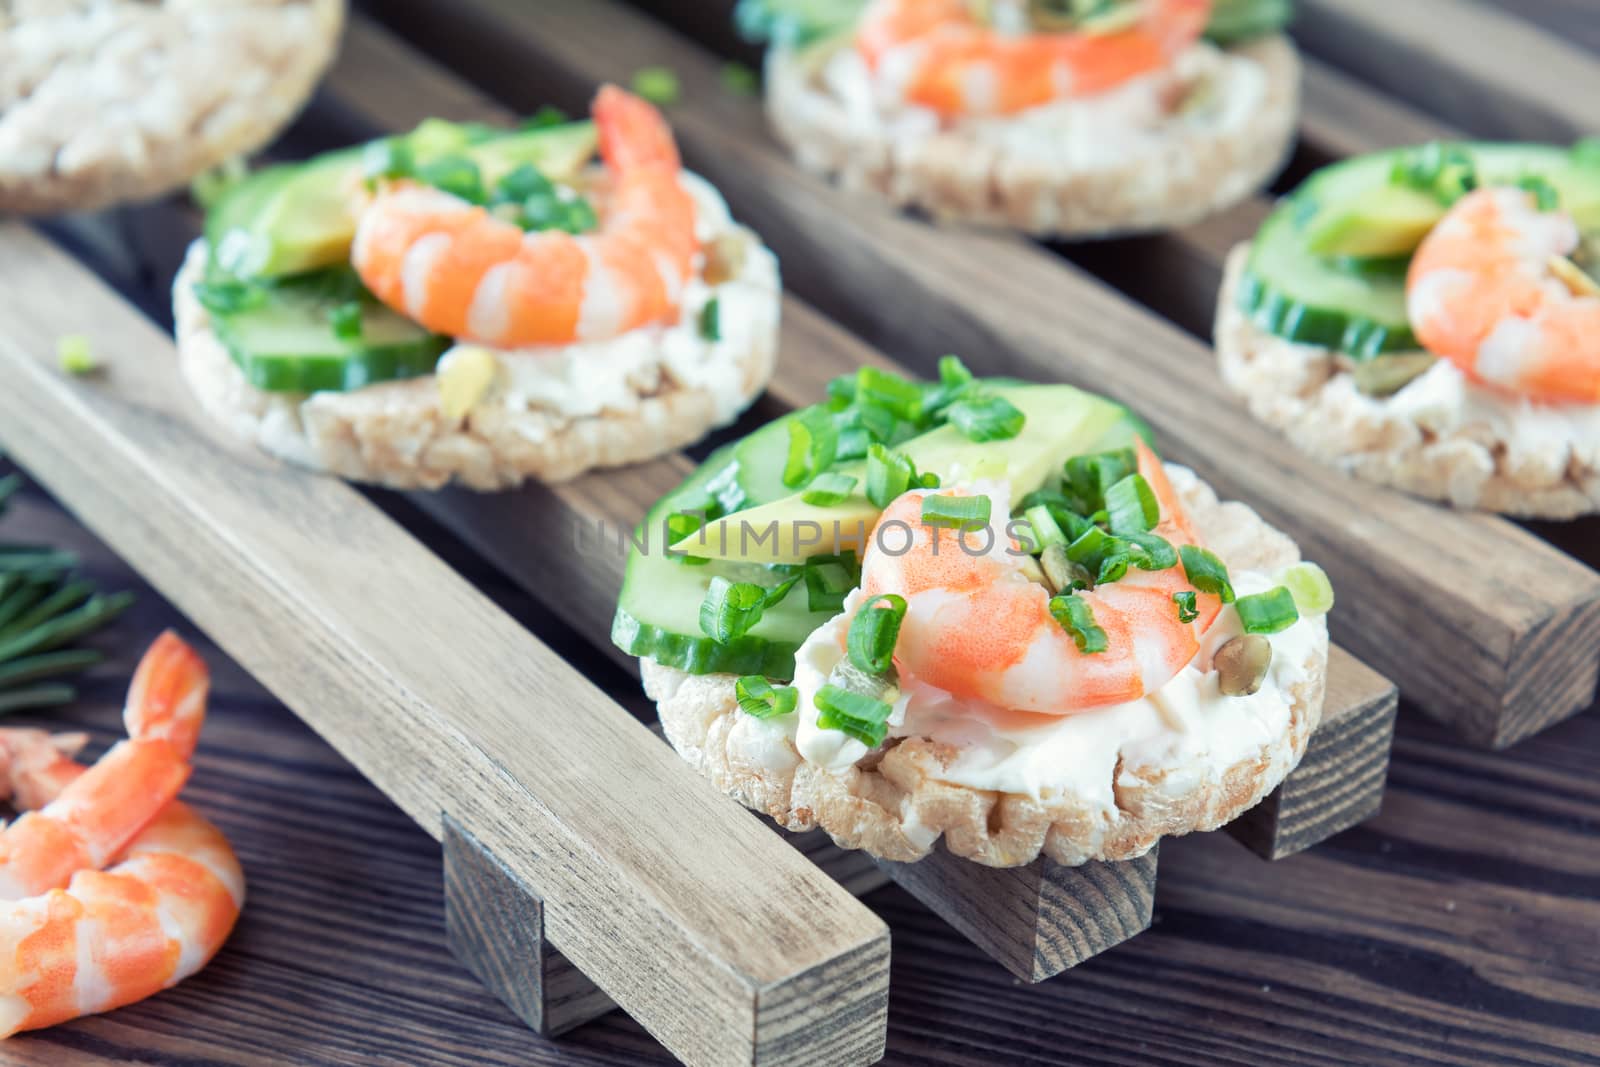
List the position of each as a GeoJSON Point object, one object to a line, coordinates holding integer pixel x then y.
{"type": "Point", "coordinates": [1389, 221]}
{"type": "Point", "coordinates": [1061, 422]}
{"type": "Point", "coordinates": [298, 217]}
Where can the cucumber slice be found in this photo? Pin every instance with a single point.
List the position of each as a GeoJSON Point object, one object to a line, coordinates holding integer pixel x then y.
{"type": "Point", "coordinates": [286, 342]}
{"type": "Point", "coordinates": [1358, 306]}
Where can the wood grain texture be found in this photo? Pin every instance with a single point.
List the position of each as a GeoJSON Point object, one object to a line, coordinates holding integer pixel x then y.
{"type": "Point", "coordinates": [1468, 62]}
{"type": "Point", "coordinates": [479, 719]}
{"type": "Point", "coordinates": [1012, 307]}
{"type": "Point", "coordinates": [1038, 920]}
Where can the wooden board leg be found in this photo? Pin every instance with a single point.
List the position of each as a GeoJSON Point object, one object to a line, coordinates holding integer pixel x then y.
{"type": "Point", "coordinates": [1037, 920]}
{"type": "Point", "coordinates": [1338, 783]}
{"type": "Point", "coordinates": [495, 927]}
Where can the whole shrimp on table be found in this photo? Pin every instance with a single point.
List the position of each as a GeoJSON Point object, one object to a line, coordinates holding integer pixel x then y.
{"type": "Point", "coordinates": [947, 58]}
{"type": "Point", "coordinates": [459, 270]}
{"type": "Point", "coordinates": [100, 939]}
{"type": "Point", "coordinates": [1493, 290]}
{"type": "Point", "coordinates": [977, 625]}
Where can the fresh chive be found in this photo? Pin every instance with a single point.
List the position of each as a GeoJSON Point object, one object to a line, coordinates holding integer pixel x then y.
{"type": "Point", "coordinates": [8, 486]}
{"type": "Point", "coordinates": [828, 489]}
{"type": "Point", "coordinates": [659, 85]}
{"type": "Point", "coordinates": [39, 696]}
{"type": "Point", "coordinates": [710, 321]}
{"type": "Point", "coordinates": [67, 597]}
{"type": "Point", "coordinates": [1308, 583]}
{"type": "Point", "coordinates": [1131, 506]}
{"type": "Point", "coordinates": [888, 476]}
{"type": "Point", "coordinates": [829, 580]}
{"type": "Point", "coordinates": [1206, 572]}
{"type": "Point", "coordinates": [37, 562]}
{"type": "Point", "coordinates": [46, 665]}
{"type": "Point", "coordinates": [862, 717]}
{"type": "Point", "coordinates": [958, 512]}
{"type": "Point", "coordinates": [23, 596]}
{"type": "Point", "coordinates": [58, 631]}
{"type": "Point", "coordinates": [730, 609]}
{"type": "Point", "coordinates": [1188, 610]}
{"type": "Point", "coordinates": [989, 418]}
{"type": "Point", "coordinates": [740, 80]}
{"type": "Point", "coordinates": [874, 631]}
{"type": "Point", "coordinates": [890, 391]}
{"type": "Point", "coordinates": [760, 699]}
{"type": "Point", "coordinates": [813, 444]}
{"type": "Point", "coordinates": [1267, 613]}
{"type": "Point", "coordinates": [1076, 616]}
{"type": "Point", "coordinates": [74, 354]}
{"type": "Point", "coordinates": [346, 320]}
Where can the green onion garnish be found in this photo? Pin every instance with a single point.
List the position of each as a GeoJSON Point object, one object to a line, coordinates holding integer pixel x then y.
{"type": "Point", "coordinates": [1188, 610]}
{"type": "Point", "coordinates": [957, 512]}
{"type": "Point", "coordinates": [1267, 613]}
{"type": "Point", "coordinates": [813, 443]}
{"type": "Point", "coordinates": [902, 398]}
{"type": "Point", "coordinates": [227, 296]}
{"type": "Point", "coordinates": [1149, 552]}
{"type": "Point", "coordinates": [710, 320]}
{"type": "Point", "coordinates": [862, 717]}
{"type": "Point", "coordinates": [75, 356]}
{"type": "Point", "coordinates": [1206, 572]}
{"type": "Point", "coordinates": [659, 85]}
{"type": "Point", "coordinates": [387, 158]}
{"type": "Point", "coordinates": [457, 175]}
{"type": "Point", "coordinates": [1088, 477]}
{"type": "Point", "coordinates": [760, 699]}
{"type": "Point", "coordinates": [1077, 618]}
{"type": "Point", "coordinates": [1308, 583]}
{"type": "Point", "coordinates": [829, 580]}
{"type": "Point", "coordinates": [953, 372]}
{"type": "Point", "coordinates": [1131, 506]}
{"type": "Point", "coordinates": [989, 418]}
{"type": "Point", "coordinates": [829, 489]}
{"type": "Point", "coordinates": [522, 181]}
{"type": "Point", "coordinates": [544, 118]}
{"type": "Point", "coordinates": [1545, 196]}
{"type": "Point", "coordinates": [681, 524]}
{"type": "Point", "coordinates": [1046, 531]}
{"type": "Point", "coordinates": [874, 631]}
{"type": "Point", "coordinates": [730, 609]}
{"type": "Point", "coordinates": [888, 476]}
{"type": "Point", "coordinates": [346, 321]}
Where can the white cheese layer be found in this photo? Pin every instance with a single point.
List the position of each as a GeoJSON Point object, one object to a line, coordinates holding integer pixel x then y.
{"type": "Point", "coordinates": [1188, 722]}
{"type": "Point", "coordinates": [594, 377]}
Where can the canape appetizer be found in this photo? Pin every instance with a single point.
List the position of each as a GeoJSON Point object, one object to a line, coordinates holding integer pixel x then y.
{"type": "Point", "coordinates": [1071, 118]}
{"type": "Point", "coordinates": [126, 99]}
{"type": "Point", "coordinates": [1429, 318]}
{"type": "Point", "coordinates": [114, 889]}
{"type": "Point", "coordinates": [976, 609]}
{"type": "Point", "coordinates": [478, 304]}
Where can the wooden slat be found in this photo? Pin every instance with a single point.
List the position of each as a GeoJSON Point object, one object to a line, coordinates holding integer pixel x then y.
{"type": "Point", "coordinates": [1411, 573]}
{"type": "Point", "coordinates": [1480, 68]}
{"type": "Point", "coordinates": [727, 945]}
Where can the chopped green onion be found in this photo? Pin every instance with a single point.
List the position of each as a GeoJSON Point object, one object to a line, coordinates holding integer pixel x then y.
{"type": "Point", "coordinates": [1046, 531]}
{"type": "Point", "coordinates": [1072, 524]}
{"type": "Point", "coordinates": [854, 443]}
{"type": "Point", "coordinates": [1309, 585]}
{"type": "Point", "coordinates": [888, 476]}
{"type": "Point", "coordinates": [1088, 477]}
{"type": "Point", "coordinates": [544, 118]}
{"type": "Point", "coordinates": [1149, 552]}
{"type": "Point", "coordinates": [1206, 572]}
{"type": "Point", "coordinates": [519, 183]}
{"type": "Point", "coordinates": [842, 391]}
{"type": "Point", "coordinates": [577, 216]}
{"type": "Point", "coordinates": [776, 594]}
{"type": "Point", "coordinates": [862, 717]}
{"type": "Point", "coordinates": [1076, 617]}
{"type": "Point", "coordinates": [740, 80]}
{"type": "Point", "coordinates": [1545, 196]}
{"type": "Point", "coordinates": [1267, 613]}
{"type": "Point", "coordinates": [813, 443]}
{"type": "Point", "coordinates": [457, 175]}
{"type": "Point", "coordinates": [659, 85]}
{"type": "Point", "coordinates": [227, 296]}
{"type": "Point", "coordinates": [874, 631]}
{"type": "Point", "coordinates": [730, 609]}
{"type": "Point", "coordinates": [902, 398]}
{"type": "Point", "coordinates": [760, 699]}
{"type": "Point", "coordinates": [387, 158]}
{"type": "Point", "coordinates": [953, 372]}
{"type": "Point", "coordinates": [1188, 610]}
{"type": "Point", "coordinates": [710, 321]}
{"type": "Point", "coordinates": [682, 524]}
{"type": "Point", "coordinates": [829, 489]}
{"type": "Point", "coordinates": [346, 321]}
{"type": "Point", "coordinates": [1131, 506]}
{"type": "Point", "coordinates": [958, 512]}
{"type": "Point", "coordinates": [829, 580]}
{"type": "Point", "coordinates": [1060, 573]}
{"type": "Point", "coordinates": [1444, 171]}
{"type": "Point", "coordinates": [990, 418]}
{"type": "Point", "coordinates": [74, 354]}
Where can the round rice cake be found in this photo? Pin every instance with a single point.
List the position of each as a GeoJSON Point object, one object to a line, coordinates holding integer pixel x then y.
{"type": "Point", "coordinates": [113, 100]}
{"type": "Point", "coordinates": [550, 415]}
{"type": "Point", "coordinates": [1032, 172]}
{"type": "Point", "coordinates": [898, 800]}
{"type": "Point", "coordinates": [1440, 436]}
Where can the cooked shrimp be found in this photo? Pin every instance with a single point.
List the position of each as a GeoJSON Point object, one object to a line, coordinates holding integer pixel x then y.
{"type": "Point", "coordinates": [954, 63]}
{"type": "Point", "coordinates": [1491, 289]}
{"type": "Point", "coordinates": [459, 270]}
{"type": "Point", "coordinates": [114, 937]}
{"type": "Point", "coordinates": [99, 813]}
{"type": "Point", "coordinates": [978, 627]}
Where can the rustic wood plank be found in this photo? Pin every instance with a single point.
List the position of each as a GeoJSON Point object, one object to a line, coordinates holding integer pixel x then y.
{"type": "Point", "coordinates": [1011, 307]}
{"type": "Point", "coordinates": [1469, 63]}
{"type": "Point", "coordinates": [302, 590]}
{"type": "Point", "coordinates": [1038, 920]}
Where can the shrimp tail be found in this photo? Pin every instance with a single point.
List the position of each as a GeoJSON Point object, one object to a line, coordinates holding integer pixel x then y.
{"type": "Point", "coordinates": [633, 134]}
{"type": "Point", "coordinates": [167, 698]}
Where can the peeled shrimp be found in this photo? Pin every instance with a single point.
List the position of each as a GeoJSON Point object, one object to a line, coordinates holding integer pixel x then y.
{"type": "Point", "coordinates": [954, 63]}
{"type": "Point", "coordinates": [459, 270]}
{"type": "Point", "coordinates": [1491, 289]}
{"type": "Point", "coordinates": [116, 936]}
{"type": "Point", "coordinates": [99, 813]}
{"type": "Point", "coordinates": [978, 627]}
